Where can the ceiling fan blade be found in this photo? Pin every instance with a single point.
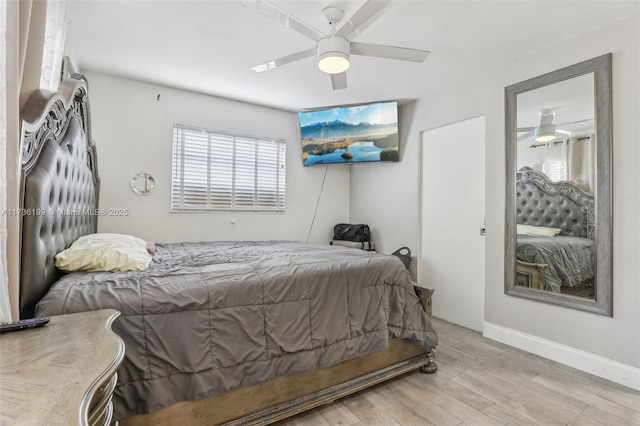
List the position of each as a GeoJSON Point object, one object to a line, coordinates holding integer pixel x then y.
{"type": "Point", "coordinates": [525, 129]}
{"type": "Point", "coordinates": [271, 11]}
{"type": "Point", "coordinates": [389, 52]}
{"type": "Point", "coordinates": [525, 136]}
{"type": "Point", "coordinates": [266, 66]}
{"type": "Point", "coordinates": [363, 17]}
{"type": "Point", "coordinates": [339, 81]}
{"type": "Point", "coordinates": [577, 122]}
{"type": "Point", "coordinates": [564, 132]}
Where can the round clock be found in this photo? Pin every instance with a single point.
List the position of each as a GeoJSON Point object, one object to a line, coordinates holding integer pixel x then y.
{"type": "Point", "coordinates": [142, 183]}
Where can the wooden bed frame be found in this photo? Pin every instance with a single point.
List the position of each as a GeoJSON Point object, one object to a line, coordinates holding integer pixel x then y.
{"type": "Point", "coordinates": [60, 123]}
{"type": "Point", "coordinates": [530, 274]}
{"type": "Point", "coordinates": [286, 396]}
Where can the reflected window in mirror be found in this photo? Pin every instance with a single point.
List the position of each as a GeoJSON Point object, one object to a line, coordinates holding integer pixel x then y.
{"type": "Point", "coordinates": [558, 238]}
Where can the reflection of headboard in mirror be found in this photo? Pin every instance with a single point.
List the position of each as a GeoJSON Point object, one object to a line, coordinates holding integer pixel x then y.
{"type": "Point", "coordinates": [57, 155]}
{"type": "Point", "coordinates": [541, 202]}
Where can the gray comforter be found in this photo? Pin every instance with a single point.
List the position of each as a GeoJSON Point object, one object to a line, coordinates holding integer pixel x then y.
{"type": "Point", "coordinates": [206, 318]}
{"type": "Point", "coordinates": [570, 260]}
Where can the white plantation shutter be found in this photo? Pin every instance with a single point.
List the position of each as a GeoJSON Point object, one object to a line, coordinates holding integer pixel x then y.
{"type": "Point", "coordinates": [214, 170]}
{"type": "Point", "coordinates": [555, 164]}
{"type": "Point", "coordinates": [556, 170]}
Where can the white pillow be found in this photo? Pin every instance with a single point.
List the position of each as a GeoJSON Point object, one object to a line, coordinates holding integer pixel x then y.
{"type": "Point", "coordinates": [105, 252]}
{"type": "Point", "coordinates": [540, 231]}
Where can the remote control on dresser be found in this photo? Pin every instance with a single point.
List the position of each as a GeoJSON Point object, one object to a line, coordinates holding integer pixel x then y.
{"type": "Point", "coordinates": [23, 324]}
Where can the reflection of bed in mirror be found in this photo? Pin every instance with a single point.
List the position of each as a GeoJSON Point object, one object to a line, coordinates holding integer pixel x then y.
{"type": "Point", "coordinates": [555, 247]}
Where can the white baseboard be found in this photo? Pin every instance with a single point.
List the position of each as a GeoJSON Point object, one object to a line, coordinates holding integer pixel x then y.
{"type": "Point", "coordinates": [614, 371]}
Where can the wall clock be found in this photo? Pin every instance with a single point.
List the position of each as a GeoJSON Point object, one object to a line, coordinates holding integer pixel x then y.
{"type": "Point", "coordinates": [142, 183]}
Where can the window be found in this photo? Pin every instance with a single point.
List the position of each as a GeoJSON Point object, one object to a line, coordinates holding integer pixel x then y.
{"type": "Point", "coordinates": [556, 169]}
{"type": "Point", "coordinates": [555, 163]}
{"type": "Point", "coordinates": [214, 170]}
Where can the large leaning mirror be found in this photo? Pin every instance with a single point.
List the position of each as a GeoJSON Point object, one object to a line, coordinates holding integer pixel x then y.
{"type": "Point", "coordinates": [558, 238]}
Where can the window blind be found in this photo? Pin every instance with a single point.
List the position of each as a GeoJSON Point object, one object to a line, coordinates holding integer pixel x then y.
{"type": "Point", "coordinates": [555, 164]}
{"type": "Point", "coordinates": [213, 170]}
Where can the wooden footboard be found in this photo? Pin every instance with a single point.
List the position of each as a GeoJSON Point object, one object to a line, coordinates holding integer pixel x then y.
{"type": "Point", "coordinates": [286, 396]}
{"type": "Point", "coordinates": [530, 274]}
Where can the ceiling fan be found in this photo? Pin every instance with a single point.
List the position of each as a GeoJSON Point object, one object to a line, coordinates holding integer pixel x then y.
{"type": "Point", "coordinates": [335, 48]}
{"type": "Point", "coordinates": [546, 131]}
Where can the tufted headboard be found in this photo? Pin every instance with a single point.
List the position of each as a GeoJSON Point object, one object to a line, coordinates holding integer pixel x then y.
{"type": "Point", "coordinates": [564, 205]}
{"type": "Point", "coordinates": [60, 184]}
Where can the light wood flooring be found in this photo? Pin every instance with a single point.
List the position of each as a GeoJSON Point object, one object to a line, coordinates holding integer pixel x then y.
{"type": "Point", "coordinates": [483, 382]}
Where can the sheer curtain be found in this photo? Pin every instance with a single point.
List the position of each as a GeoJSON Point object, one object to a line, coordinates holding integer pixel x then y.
{"type": "Point", "coordinates": [5, 307]}
{"type": "Point", "coordinates": [54, 40]}
{"type": "Point", "coordinates": [22, 39]}
{"type": "Point", "coordinates": [572, 159]}
{"type": "Point", "coordinates": [581, 162]}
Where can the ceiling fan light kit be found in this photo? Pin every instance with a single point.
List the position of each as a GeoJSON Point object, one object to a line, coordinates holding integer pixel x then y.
{"type": "Point", "coordinates": [545, 133]}
{"type": "Point", "coordinates": [334, 49]}
{"type": "Point", "coordinates": [333, 55]}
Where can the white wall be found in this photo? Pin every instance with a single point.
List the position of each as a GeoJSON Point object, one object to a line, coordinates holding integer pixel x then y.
{"type": "Point", "coordinates": [385, 195]}
{"type": "Point", "coordinates": [613, 340]}
{"type": "Point", "coordinates": [133, 132]}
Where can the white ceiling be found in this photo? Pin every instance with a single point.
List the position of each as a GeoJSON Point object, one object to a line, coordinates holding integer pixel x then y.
{"type": "Point", "coordinates": [209, 46]}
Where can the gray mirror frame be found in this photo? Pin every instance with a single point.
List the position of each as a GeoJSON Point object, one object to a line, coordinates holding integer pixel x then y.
{"type": "Point", "coordinates": [603, 301]}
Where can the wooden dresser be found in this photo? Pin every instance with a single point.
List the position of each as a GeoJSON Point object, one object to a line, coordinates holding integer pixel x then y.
{"type": "Point", "coordinates": [61, 374]}
{"type": "Point", "coordinates": [424, 293]}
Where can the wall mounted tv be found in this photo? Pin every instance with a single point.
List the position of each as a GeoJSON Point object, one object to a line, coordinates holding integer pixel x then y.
{"type": "Point", "coordinates": [350, 134]}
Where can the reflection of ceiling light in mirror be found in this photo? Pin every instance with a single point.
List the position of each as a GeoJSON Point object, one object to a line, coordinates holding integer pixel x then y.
{"type": "Point", "coordinates": [545, 133]}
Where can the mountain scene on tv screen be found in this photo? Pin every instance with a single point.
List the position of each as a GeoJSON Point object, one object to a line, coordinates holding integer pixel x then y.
{"type": "Point", "coordinates": [346, 139]}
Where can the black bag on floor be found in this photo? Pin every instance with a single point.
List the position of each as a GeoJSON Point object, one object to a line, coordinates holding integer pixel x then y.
{"type": "Point", "coordinates": [349, 232]}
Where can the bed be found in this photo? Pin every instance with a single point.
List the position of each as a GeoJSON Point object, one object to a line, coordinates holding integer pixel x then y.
{"type": "Point", "coordinates": [215, 332]}
{"type": "Point", "coordinates": [555, 247]}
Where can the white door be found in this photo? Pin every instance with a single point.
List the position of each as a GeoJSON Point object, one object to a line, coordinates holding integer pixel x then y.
{"type": "Point", "coordinates": [452, 221]}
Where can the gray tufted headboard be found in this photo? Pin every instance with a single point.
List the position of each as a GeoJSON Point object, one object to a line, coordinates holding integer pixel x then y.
{"type": "Point", "coordinates": [541, 202]}
{"type": "Point", "coordinates": [60, 184]}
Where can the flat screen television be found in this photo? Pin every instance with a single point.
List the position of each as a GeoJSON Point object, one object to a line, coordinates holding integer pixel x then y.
{"type": "Point", "coordinates": [351, 134]}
